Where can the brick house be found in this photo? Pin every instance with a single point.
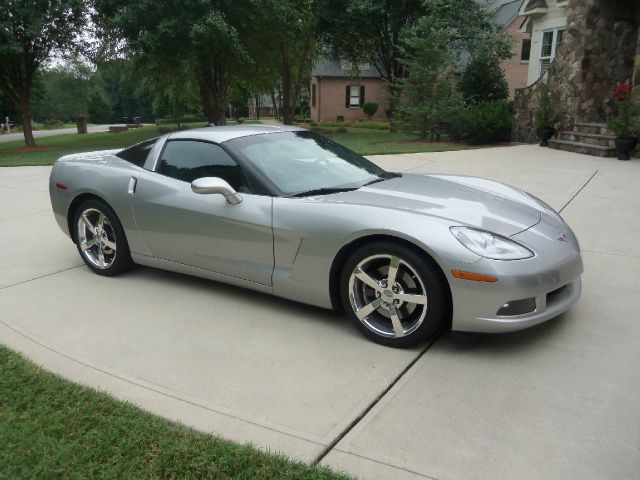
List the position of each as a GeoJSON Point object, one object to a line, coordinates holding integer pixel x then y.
{"type": "Point", "coordinates": [337, 93]}
{"type": "Point", "coordinates": [516, 69]}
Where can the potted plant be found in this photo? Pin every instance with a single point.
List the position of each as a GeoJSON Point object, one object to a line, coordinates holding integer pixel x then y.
{"type": "Point", "coordinates": [625, 122]}
{"type": "Point", "coordinates": [546, 116]}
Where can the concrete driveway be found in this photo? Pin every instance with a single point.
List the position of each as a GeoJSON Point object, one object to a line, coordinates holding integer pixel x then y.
{"type": "Point", "coordinates": [560, 401]}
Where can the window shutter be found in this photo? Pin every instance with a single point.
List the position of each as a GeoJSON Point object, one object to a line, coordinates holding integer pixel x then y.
{"type": "Point", "coordinates": [361, 95]}
{"type": "Point", "coordinates": [346, 102]}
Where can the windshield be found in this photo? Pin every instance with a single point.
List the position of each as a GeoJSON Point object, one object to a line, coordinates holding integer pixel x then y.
{"type": "Point", "coordinates": [304, 162]}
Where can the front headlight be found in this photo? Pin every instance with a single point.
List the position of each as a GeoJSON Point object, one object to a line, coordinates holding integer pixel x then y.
{"type": "Point", "coordinates": [490, 245]}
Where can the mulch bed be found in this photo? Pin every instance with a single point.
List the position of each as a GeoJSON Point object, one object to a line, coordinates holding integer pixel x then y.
{"type": "Point", "coordinates": [37, 148]}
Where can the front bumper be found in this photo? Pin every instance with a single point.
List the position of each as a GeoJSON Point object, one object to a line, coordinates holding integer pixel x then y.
{"type": "Point", "coordinates": [548, 283]}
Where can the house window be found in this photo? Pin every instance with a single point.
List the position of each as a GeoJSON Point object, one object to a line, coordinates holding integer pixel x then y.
{"type": "Point", "coordinates": [551, 41]}
{"type": "Point", "coordinates": [526, 50]}
{"type": "Point", "coordinates": [355, 96]}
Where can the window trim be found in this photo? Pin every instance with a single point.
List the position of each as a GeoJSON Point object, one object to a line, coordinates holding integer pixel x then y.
{"type": "Point", "coordinates": [361, 95]}
{"type": "Point", "coordinates": [523, 60]}
{"type": "Point", "coordinates": [156, 167]}
{"type": "Point", "coordinates": [554, 46]}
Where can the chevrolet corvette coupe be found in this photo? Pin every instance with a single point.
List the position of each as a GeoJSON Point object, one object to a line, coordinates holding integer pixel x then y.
{"type": "Point", "coordinates": [286, 211]}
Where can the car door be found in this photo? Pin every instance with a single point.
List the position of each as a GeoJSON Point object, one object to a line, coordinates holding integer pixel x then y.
{"type": "Point", "coordinates": [203, 231]}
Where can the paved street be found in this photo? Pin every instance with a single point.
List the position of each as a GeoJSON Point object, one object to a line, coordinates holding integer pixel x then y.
{"type": "Point", "coordinates": [559, 401]}
{"type": "Point", "coordinates": [10, 137]}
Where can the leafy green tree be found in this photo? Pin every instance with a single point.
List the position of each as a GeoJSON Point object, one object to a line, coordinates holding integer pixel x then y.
{"type": "Point", "coordinates": [97, 107]}
{"type": "Point", "coordinates": [381, 32]}
{"type": "Point", "coordinates": [29, 32]}
{"type": "Point", "coordinates": [426, 96]}
{"type": "Point", "coordinates": [127, 90]}
{"type": "Point", "coordinates": [294, 44]}
{"type": "Point", "coordinates": [210, 40]}
{"type": "Point", "coordinates": [483, 79]}
{"type": "Point", "coordinates": [62, 91]}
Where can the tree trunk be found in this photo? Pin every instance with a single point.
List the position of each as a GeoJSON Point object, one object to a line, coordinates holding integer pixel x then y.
{"type": "Point", "coordinates": [276, 113]}
{"type": "Point", "coordinates": [25, 111]}
{"type": "Point", "coordinates": [214, 104]}
{"type": "Point", "coordinates": [257, 104]}
{"type": "Point", "coordinates": [219, 105]}
{"type": "Point", "coordinates": [287, 107]}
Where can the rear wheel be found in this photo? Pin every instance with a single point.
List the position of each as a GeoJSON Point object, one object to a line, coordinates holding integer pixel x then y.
{"type": "Point", "coordinates": [100, 239]}
{"type": "Point", "coordinates": [393, 295]}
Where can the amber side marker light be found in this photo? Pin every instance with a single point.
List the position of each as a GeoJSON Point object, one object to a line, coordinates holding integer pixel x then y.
{"type": "Point", "coordinates": [473, 276]}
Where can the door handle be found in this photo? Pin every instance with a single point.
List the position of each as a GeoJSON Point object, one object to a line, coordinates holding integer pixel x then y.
{"type": "Point", "coordinates": [133, 181]}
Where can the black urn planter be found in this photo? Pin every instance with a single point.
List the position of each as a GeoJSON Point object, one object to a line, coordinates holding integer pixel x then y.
{"type": "Point", "coordinates": [545, 133]}
{"type": "Point", "coordinates": [624, 145]}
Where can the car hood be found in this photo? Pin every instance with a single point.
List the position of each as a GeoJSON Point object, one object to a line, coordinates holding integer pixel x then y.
{"type": "Point", "coordinates": [469, 201]}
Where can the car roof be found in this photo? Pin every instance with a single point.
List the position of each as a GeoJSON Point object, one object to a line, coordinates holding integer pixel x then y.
{"type": "Point", "coordinates": [229, 132]}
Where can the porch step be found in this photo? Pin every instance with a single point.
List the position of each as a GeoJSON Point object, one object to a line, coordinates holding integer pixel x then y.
{"type": "Point", "coordinates": [585, 148]}
{"type": "Point", "coordinates": [592, 127]}
{"type": "Point", "coordinates": [590, 138]}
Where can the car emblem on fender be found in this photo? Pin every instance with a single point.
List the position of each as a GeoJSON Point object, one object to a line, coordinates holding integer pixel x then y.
{"type": "Point", "coordinates": [563, 237]}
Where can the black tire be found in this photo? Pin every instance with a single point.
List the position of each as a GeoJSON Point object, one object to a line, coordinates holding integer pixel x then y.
{"type": "Point", "coordinates": [418, 275]}
{"type": "Point", "coordinates": [114, 260]}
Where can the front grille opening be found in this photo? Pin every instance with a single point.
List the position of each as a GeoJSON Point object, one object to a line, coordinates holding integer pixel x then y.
{"type": "Point", "coordinates": [556, 295]}
{"type": "Point", "coordinates": [517, 307]}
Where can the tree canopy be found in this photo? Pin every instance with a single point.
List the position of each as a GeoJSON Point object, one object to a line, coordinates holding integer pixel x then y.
{"type": "Point", "coordinates": [30, 32]}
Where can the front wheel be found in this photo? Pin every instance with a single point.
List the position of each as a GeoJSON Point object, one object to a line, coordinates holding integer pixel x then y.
{"type": "Point", "coordinates": [100, 239]}
{"type": "Point", "coordinates": [394, 295]}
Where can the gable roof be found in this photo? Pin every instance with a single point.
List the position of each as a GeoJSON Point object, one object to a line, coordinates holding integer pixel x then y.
{"type": "Point", "coordinates": [533, 7]}
{"type": "Point", "coordinates": [333, 68]}
{"type": "Point", "coordinates": [507, 12]}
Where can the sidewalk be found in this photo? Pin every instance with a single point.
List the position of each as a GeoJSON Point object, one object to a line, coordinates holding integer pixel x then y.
{"type": "Point", "coordinates": [10, 137]}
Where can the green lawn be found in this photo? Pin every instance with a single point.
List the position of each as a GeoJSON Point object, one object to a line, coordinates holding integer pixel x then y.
{"type": "Point", "coordinates": [51, 428]}
{"type": "Point", "coordinates": [364, 141]}
{"type": "Point", "coordinates": [13, 154]}
{"type": "Point", "coordinates": [377, 142]}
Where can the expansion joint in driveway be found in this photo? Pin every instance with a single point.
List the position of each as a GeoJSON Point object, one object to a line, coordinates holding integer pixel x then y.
{"type": "Point", "coordinates": [41, 276]}
{"type": "Point", "coordinates": [578, 192]}
{"type": "Point", "coordinates": [375, 401]}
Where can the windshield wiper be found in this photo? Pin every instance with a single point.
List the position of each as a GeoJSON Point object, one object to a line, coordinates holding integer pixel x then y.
{"type": "Point", "coordinates": [382, 179]}
{"type": "Point", "coordinates": [324, 191]}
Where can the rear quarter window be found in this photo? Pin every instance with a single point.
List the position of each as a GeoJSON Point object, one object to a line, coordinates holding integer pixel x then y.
{"type": "Point", "coordinates": [138, 153]}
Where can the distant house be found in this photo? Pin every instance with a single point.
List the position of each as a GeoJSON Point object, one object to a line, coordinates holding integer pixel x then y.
{"type": "Point", "coordinates": [264, 107]}
{"type": "Point", "coordinates": [516, 68]}
{"type": "Point", "coordinates": [339, 93]}
{"type": "Point", "coordinates": [546, 22]}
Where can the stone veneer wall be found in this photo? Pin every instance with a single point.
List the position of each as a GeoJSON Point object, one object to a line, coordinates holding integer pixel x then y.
{"type": "Point", "coordinates": [599, 50]}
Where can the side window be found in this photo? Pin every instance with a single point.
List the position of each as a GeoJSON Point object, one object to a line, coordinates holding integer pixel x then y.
{"type": "Point", "coordinates": [187, 160]}
{"type": "Point", "coordinates": [138, 153]}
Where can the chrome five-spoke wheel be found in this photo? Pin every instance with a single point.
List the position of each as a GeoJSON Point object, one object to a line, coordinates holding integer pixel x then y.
{"type": "Point", "coordinates": [393, 294]}
{"type": "Point", "coordinates": [387, 295]}
{"type": "Point", "coordinates": [96, 238]}
{"type": "Point", "coordinates": [100, 238]}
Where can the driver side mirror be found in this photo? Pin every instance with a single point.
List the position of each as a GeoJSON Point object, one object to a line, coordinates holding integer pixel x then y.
{"type": "Point", "coordinates": [216, 185]}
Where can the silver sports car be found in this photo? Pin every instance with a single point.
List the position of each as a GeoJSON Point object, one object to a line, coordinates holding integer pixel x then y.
{"type": "Point", "coordinates": [285, 211]}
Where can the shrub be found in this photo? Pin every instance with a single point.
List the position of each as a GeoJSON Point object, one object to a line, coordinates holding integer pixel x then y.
{"type": "Point", "coordinates": [483, 79]}
{"type": "Point", "coordinates": [547, 114]}
{"type": "Point", "coordinates": [371, 124]}
{"type": "Point", "coordinates": [625, 122]}
{"type": "Point", "coordinates": [341, 130]}
{"type": "Point", "coordinates": [313, 124]}
{"type": "Point", "coordinates": [370, 109]}
{"type": "Point", "coordinates": [486, 122]}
